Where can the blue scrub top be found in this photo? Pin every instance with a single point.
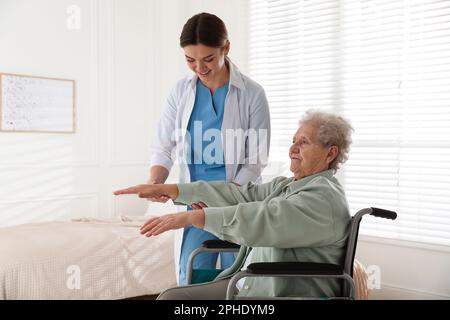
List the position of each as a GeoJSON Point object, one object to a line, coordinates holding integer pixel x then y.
{"type": "Point", "coordinates": [207, 158]}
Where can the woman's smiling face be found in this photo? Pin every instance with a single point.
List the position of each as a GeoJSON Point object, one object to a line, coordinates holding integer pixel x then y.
{"type": "Point", "coordinates": [206, 62]}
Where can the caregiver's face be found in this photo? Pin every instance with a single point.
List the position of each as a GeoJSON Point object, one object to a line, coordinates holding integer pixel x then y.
{"type": "Point", "coordinates": [307, 154]}
{"type": "Point", "coordinates": [206, 62]}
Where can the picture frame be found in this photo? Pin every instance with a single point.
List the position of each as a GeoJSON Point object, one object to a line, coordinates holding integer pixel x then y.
{"type": "Point", "coordinates": [37, 104]}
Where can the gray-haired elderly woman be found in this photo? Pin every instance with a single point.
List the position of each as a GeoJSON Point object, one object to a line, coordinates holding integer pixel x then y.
{"type": "Point", "coordinates": [302, 218]}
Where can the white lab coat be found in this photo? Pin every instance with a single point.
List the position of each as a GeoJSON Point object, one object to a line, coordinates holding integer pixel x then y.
{"type": "Point", "coordinates": [246, 107]}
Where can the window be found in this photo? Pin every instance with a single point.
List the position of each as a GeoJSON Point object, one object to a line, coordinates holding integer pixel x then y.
{"type": "Point", "coordinates": [384, 65]}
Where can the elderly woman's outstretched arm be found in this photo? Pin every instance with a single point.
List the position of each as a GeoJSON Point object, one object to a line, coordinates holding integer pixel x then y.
{"type": "Point", "coordinates": [222, 194]}
{"type": "Point", "coordinates": [288, 217]}
{"type": "Point", "coordinates": [299, 221]}
{"type": "Point", "coordinates": [213, 194]}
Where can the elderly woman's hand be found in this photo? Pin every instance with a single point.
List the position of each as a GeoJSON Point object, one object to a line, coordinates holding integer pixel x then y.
{"type": "Point", "coordinates": [158, 225]}
{"type": "Point", "coordinates": [151, 191]}
{"type": "Point", "coordinates": [162, 199]}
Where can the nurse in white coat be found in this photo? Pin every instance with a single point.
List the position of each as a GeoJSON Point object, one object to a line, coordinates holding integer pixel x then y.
{"type": "Point", "coordinates": [216, 123]}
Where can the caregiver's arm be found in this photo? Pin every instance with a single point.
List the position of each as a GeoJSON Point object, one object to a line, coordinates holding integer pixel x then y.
{"type": "Point", "coordinates": [158, 175]}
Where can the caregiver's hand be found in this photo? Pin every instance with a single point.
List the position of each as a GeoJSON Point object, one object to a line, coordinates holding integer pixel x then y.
{"type": "Point", "coordinates": [158, 175]}
{"type": "Point", "coordinates": [150, 191]}
{"type": "Point", "coordinates": [158, 225]}
{"type": "Point", "coordinates": [198, 206]}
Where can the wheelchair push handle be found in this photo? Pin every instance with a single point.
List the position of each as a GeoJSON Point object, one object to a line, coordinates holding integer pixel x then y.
{"type": "Point", "coordinates": [382, 213]}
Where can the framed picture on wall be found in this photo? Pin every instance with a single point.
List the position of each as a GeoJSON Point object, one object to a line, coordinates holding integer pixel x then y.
{"type": "Point", "coordinates": [36, 104]}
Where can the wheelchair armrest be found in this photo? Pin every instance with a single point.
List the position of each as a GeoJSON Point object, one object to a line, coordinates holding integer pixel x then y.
{"type": "Point", "coordinates": [299, 268]}
{"type": "Point", "coordinates": [219, 244]}
{"type": "Point", "coordinates": [291, 269]}
{"type": "Point", "coordinates": [209, 246]}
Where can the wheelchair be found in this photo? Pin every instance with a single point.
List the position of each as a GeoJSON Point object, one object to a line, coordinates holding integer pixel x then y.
{"type": "Point", "coordinates": [289, 269]}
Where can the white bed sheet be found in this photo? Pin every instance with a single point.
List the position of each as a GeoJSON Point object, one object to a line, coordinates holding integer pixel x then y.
{"type": "Point", "coordinates": [113, 261]}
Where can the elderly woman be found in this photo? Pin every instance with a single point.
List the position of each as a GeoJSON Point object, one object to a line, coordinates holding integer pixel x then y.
{"type": "Point", "coordinates": [302, 218]}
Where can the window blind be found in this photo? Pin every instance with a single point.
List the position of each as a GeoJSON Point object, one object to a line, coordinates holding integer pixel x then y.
{"type": "Point", "coordinates": [384, 65]}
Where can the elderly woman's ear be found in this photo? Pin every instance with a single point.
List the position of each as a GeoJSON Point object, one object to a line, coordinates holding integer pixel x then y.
{"type": "Point", "coordinates": [332, 154]}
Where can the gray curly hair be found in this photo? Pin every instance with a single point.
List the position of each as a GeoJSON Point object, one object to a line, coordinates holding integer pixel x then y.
{"type": "Point", "coordinates": [333, 130]}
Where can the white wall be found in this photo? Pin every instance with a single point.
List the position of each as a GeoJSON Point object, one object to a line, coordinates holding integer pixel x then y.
{"type": "Point", "coordinates": [124, 59]}
{"type": "Point", "coordinates": [407, 270]}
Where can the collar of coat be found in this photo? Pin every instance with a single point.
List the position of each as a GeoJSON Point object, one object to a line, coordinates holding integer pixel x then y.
{"type": "Point", "coordinates": [297, 184]}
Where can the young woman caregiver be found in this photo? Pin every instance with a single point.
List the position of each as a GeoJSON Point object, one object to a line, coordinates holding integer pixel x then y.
{"type": "Point", "coordinates": [217, 98]}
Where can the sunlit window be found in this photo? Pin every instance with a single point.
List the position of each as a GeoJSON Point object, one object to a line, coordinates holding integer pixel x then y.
{"type": "Point", "coordinates": [385, 65]}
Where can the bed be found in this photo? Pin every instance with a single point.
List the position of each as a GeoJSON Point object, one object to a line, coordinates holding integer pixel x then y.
{"type": "Point", "coordinates": [84, 259]}
{"type": "Point", "coordinates": [90, 258]}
